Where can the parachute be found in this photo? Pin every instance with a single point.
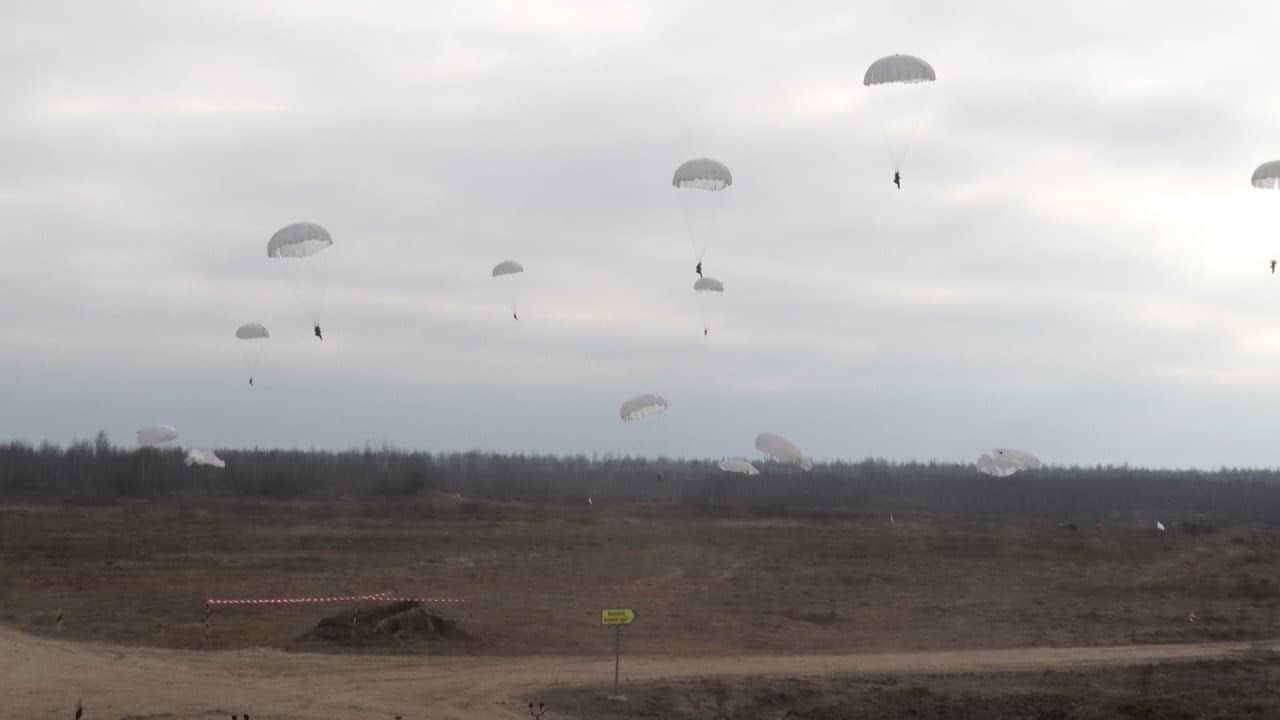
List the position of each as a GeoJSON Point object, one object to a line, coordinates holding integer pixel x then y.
{"type": "Point", "coordinates": [197, 456]}
{"type": "Point", "coordinates": [708, 175]}
{"type": "Point", "coordinates": [156, 435]}
{"type": "Point", "coordinates": [702, 174]}
{"type": "Point", "coordinates": [509, 269]}
{"type": "Point", "coordinates": [1003, 462]}
{"type": "Point", "coordinates": [250, 337]}
{"type": "Point", "coordinates": [300, 241]}
{"type": "Point", "coordinates": [708, 284]}
{"type": "Point", "coordinates": [738, 465]}
{"type": "Point", "coordinates": [642, 406]}
{"type": "Point", "coordinates": [782, 450]}
{"type": "Point", "coordinates": [707, 288]}
{"type": "Point", "coordinates": [252, 331]}
{"type": "Point", "coordinates": [1267, 176]}
{"type": "Point", "coordinates": [898, 70]}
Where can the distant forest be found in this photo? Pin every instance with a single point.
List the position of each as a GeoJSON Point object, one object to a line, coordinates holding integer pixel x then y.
{"type": "Point", "coordinates": [99, 472]}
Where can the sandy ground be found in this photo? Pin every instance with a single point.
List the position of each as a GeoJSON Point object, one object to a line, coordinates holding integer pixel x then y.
{"type": "Point", "coordinates": [42, 678]}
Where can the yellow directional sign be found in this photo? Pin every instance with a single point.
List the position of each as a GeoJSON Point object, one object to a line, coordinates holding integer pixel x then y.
{"type": "Point", "coordinates": [617, 616]}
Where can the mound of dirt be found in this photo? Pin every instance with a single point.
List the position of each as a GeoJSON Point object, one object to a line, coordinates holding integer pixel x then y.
{"type": "Point", "coordinates": [399, 625]}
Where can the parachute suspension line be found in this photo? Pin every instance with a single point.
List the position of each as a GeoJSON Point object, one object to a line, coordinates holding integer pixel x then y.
{"type": "Point", "coordinates": [699, 250]}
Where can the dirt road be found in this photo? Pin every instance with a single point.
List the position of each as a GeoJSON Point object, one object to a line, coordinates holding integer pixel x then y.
{"type": "Point", "coordinates": [43, 678]}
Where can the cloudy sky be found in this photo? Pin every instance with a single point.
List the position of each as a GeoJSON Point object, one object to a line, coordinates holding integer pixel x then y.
{"type": "Point", "coordinates": [1076, 265]}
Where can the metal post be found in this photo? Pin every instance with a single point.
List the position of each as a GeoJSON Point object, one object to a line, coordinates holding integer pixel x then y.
{"type": "Point", "coordinates": [617, 655]}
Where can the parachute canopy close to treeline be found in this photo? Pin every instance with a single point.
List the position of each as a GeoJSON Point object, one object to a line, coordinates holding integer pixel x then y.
{"type": "Point", "coordinates": [642, 406]}
{"type": "Point", "coordinates": [198, 456]}
{"type": "Point", "coordinates": [708, 284]}
{"type": "Point", "coordinates": [1267, 176]}
{"type": "Point", "coordinates": [782, 450]}
{"type": "Point", "coordinates": [298, 240]}
{"type": "Point", "coordinates": [156, 435]}
{"type": "Point", "coordinates": [702, 174]}
{"type": "Point", "coordinates": [899, 69]}
{"type": "Point", "coordinates": [252, 331]}
{"type": "Point", "coordinates": [1003, 462]}
{"type": "Point", "coordinates": [738, 465]}
{"type": "Point", "coordinates": [507, 267]}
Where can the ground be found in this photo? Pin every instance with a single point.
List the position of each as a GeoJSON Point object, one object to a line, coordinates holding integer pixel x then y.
{"type": "Point", "coordinates": [709, 587]}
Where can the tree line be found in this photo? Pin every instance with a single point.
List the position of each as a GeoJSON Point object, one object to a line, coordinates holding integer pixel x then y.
{"type": "Point", "coordinates": [98, 471]}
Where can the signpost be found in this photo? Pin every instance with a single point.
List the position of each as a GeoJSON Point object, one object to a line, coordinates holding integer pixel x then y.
{"type": "Point", "coordinates": [617, 617]}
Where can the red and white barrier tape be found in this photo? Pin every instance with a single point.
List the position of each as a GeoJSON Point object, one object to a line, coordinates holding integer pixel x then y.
{"type": "Point", "coordinates": [376, 597]}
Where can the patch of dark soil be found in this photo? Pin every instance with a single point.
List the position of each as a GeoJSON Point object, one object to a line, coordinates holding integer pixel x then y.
{"type": "Point", "coordinates": [395, 626]}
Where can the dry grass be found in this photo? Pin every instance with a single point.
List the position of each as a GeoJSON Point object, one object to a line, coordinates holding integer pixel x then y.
{"type": "Point", "coordinates": [536, 577]}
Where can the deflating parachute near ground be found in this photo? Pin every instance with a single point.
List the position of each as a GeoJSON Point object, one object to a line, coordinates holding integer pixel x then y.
{"type": "Point", "coordinates": [738, 465]}
{"type": "Point", "coordinates": [707, 289]}
{"type": "Point", "coordinates": [1003, 462]}
{"type": "Point", "coordinates": [510, 271]}
{"type": "Point", "coordinates": [899, 115]}
{"type": "Point", "coordinates": [298, 242]}
{"type": "Point", "coordinates": [642, 406]}
{"type": "Point", "coordinates": [782, 450]}
{"type": "Point", "coordinates": [153, 435]}
{"type": "Point", "coordinates": [197, 456]}
{"type": "Point", "coordinates": [700, 183]}
{"type": "Point", "coordinates": [250, 337]}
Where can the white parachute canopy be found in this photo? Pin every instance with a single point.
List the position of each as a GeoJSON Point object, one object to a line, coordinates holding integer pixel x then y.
{"type": "Point", "coordinates": [708, 284]}
{"type": "Point", "coordinates": [899, 113]}
{"type": "Point", "coordinates": [642, 406]}
{"type": "Point", "coordinates": [198, 456]}
{"type": "Point", "coordinates": [738, 465]}
{"type": "Point", "coordinates": [156, 435]}
{"type": "Point", "coordinates": [707, 289]}
{"type": "Point", "coordinates": [298, 240]}
{"type": "Point", "coordinates": [1267, 176]}
{"type": "Point", "coordinates": [899, 69]}
{"type": "Point", "coordinates": [252, 331]}
{"type": "Point", "coordinates": [507, 267]}
{"type": "Point", "coordinates": [702, 174]}
{"type": "Point", "coordinates": [302, 241]}
{"type": "Point", "coordinates": [1003, 462]}
{"type": "Point", "coordinates": [510, 270]}
{"type": "Point", "coordinates": [701, 208]}
{"type": "Point", "coordinates": [250, 338]}
{"type": "Point", "coordinates": [782, 450]}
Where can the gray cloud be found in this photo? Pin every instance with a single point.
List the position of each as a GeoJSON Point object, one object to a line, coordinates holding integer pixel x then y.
{"type": "Point", "coordinates": [1076, 264]}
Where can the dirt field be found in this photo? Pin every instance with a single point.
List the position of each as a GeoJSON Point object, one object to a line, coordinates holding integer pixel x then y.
{"type": "Point", "coordinates": [723, 595]}
{"type": "Point", "coordinates": [535, 578]}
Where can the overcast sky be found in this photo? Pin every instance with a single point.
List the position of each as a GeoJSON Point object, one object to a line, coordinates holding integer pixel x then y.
{"type": "Point", "coordinates": [1076, 264]}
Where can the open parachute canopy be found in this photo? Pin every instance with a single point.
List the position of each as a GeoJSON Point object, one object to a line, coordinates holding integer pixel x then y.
{"type": "Point", "coordinates": [298, 240]}
{"type": "Point", "coordinates": [1267, 176]}
{"type": "Point", "coordinates": [197, 456]}
{"type": "Point", "coordinates": [738, 465]}
{"type": "Point", "coordinates": [642, 406]}
{"type": "Point", "coordinates": [899, 69]}
{"type": "Point", "coordinates": [1003, 462]}
{"type": "Point", "coordinates": [702, 174]}
{"type": "Point", "coordinates": [507, 267]}
{"type": "Point", "coordinates": [782, 450]}
{"type": "Point", "coordinates": [252, 331]}
{"type": "Point", "coordinates": [156, 435]}
{"type": "Point", "coordinates": [708, 284]}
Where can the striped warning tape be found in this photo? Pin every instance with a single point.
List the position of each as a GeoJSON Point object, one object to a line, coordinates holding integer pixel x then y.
{"type": "Point", "coordinates": [376, 597]}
